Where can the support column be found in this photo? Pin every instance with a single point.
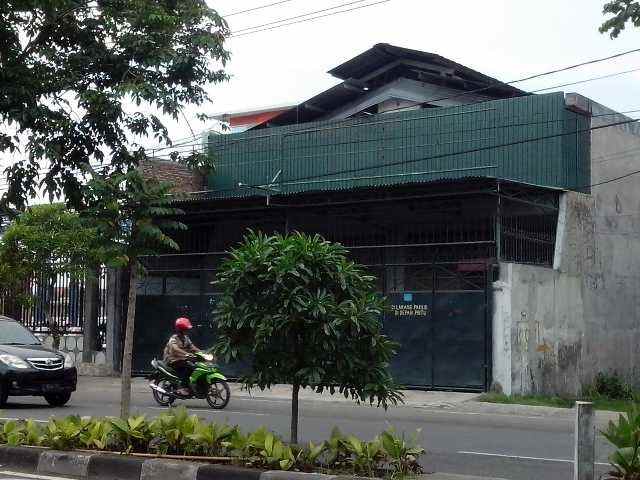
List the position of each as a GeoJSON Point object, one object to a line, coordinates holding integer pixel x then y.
{"type": "Point", "coordinates": [585, 442]}
{"type": "Point", "coordinates": [91, 312]}
{"type": "Point", "coordinates": [114, 319]}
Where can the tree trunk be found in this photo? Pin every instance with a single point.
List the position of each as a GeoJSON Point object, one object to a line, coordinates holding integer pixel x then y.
{"type": "Point", "coordinates": [127, 354]}
{"type": "Point", "coordinates": [294, 414]}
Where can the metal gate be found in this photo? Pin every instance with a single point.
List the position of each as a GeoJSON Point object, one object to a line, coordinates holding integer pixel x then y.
{"type": "Point", "coordinates": [438, 314]}
{"type": "Point", "coordinates": [442, 328]}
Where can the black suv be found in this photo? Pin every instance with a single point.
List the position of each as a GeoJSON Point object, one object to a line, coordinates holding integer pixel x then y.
{"type": "Point", "coordinates": [29, 368]}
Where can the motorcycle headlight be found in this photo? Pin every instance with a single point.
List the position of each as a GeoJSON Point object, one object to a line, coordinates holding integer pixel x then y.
{"type": "Point", "coordinates": [208, 357]}
{"type": "Point", "coordinates": [69, 361]}
{"type": "Point", "coordinates": [13, 361]}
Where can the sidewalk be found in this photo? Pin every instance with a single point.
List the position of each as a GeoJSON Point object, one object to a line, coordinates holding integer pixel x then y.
{"type": "Point", "coordinates": [454, 402]}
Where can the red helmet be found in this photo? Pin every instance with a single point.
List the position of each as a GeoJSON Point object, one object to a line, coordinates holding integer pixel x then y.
{"type": "Point", "coordinates": [183, 324]}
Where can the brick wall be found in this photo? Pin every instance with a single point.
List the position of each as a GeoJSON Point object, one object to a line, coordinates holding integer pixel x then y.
{"type": "Point", "coordinates": [184, 179]}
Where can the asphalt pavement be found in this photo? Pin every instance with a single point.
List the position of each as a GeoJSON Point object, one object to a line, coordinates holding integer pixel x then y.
{"type": "Point", "coordinates": [461, 436]}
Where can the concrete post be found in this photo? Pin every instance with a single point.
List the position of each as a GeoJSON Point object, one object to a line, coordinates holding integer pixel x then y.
{"type": "Point", "coordinates": [91, 312]}
{"type": "Point", "coordinates": [585, 442]}
{"type": "Point", "coordinates": [114, 319]}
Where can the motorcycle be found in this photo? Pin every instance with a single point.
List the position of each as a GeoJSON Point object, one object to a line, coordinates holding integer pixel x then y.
{"type": "Point", "coordinates": [206, 382]}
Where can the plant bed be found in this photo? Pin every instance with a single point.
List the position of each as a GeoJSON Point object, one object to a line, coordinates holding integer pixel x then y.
{"type": "Point", "coordinates": [178, 436]}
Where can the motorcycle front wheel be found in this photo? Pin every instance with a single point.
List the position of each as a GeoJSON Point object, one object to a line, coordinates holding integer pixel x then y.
{"type": "Point", "coordinates": [161, 398]}
{"type": "Point", "coordinates": [218, 394]}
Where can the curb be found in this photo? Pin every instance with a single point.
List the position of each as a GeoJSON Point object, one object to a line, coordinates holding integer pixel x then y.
{"type": "Point", "coordinates": [109, 466]}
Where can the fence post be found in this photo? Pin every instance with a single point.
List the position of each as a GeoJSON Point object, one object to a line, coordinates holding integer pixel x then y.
{"type": "Point", "coordinates": [90, 321]}
{"type": "Point", "coordinates": [585, 442]}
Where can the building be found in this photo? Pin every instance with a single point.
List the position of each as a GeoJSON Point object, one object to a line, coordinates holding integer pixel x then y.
{"type": "Point", "coordinates": [243, 120]}
{"type": "Point", "coordinates": [495, 221]}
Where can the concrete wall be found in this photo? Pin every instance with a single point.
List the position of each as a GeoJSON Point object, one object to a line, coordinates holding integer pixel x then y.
{"type": "Point", "coordinates": [555, 329]}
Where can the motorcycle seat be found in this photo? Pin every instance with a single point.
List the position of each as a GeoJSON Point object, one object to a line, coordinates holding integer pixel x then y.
{"type": "Point", "coordinates": [160, 364]}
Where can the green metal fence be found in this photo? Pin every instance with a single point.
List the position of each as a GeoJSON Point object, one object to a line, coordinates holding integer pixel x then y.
{"type": "Point", "coordinates": [532, 139]}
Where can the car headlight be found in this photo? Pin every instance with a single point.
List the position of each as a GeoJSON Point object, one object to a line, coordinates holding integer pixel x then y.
{"type": "Point", "coordinates": [13, 361]}
{"type": "Point", "coordinates": [69, 362]}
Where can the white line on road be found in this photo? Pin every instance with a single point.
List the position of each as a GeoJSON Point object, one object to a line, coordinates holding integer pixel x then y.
{"type": "Point", "coordinates": [208, 410]}
{"type": "Point", "coordinates": [30, 475]}
{"type": "Point", "coordinates": [518, 457]}
{"type": "Point", "coordinates": [6, 419]}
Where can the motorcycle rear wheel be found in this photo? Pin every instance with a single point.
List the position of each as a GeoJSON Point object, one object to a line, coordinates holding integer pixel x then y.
{"type": "Point", "coordinates": [218, 394]}
{"type": "Point", "coordinates": [160, 398]}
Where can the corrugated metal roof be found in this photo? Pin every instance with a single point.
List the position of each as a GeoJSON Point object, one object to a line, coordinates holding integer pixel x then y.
{"type": "Point", "coordinates": [383, 54]}
{"type": "Point", "coordinates": [410, 147]}
{"type": "Point", "coordinates": [379, 66]}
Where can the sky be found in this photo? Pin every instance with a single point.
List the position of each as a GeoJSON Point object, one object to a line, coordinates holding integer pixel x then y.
{"type": "Point", "coordinates": [506, 39]}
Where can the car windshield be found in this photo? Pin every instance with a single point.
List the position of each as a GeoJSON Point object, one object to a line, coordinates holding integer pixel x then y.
{"type": "Point", "coordinates": [12, 333]}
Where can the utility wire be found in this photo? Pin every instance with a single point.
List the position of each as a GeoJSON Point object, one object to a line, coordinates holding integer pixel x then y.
{"type": "Point", "coordinates": [259, 29]}
{"type": "Point", "coordinates": [611, 75]}
{"type": "Point", "coordinates": [335, 7]}
{"type": "Point", "coordinates": [239, 12]}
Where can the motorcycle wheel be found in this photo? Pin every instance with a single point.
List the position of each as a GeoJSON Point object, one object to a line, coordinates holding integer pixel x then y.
{"type": "Point", "coordinates": [160, 398]}
{"type": "Point", "coordinates": [218, 394]}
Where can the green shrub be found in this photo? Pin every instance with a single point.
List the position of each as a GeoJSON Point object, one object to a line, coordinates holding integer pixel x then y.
{"type": "Point", "coordinates": [610, 386]}
{"type": "Point", "coordinates": [177, 432]}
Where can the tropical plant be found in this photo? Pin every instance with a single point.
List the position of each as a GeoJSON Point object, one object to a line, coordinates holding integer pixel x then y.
{"type": "Point", "coordinates": [98, 435]}
{"type": "Point", "coordinates": [211, 439]}
{"type": "Point", "coordinates": [132, 434]}
{"type": "Point", "coordinates": [65, 434]}
{"type": "Point", "coordinates": [276, 454]}
{"type": "Point", "coordinates": [337, 452]}
{"type": "Point", "coordinates": [171, 431]}
{"type": "Point", "coordinates": [16, 433]}
{"type": "Point", "coordinates": [365, 455]}
{"type": "Point", "coordinates": [402, 455]}
{"type": "Point", "coordinates": [622, 433]}
{"type": "Point", "coordinates": [304, 314]}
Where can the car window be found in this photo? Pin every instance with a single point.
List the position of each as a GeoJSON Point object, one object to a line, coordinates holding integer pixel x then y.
{"type": "Point", "coordinates": [12, 333]}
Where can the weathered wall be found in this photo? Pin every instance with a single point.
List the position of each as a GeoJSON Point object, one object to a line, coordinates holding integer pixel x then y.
{"type": "Point", "coordinates": [185, 179]}
{"type": "Point", "coordinates": [555, 329]}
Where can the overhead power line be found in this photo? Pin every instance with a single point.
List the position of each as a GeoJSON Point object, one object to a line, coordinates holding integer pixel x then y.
{"type": "Point", "coordinates": [335, 7]}
{"type": "Point", "coordinates": [261, 7]}
{"type": "Point", "coordinates": [611, 75]}
{"type": "Point", "coordinates": [258, 28]}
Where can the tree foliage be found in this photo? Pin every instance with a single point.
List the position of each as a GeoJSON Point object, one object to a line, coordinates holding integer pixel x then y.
{"type": "Point", "coordinates": [79, 79]}
{"type": "Point", "coordinates": [44, 242]}
{"type": "Point", "coordinates": [304, 314]}
{"type": "Point", "coordinates": [133, 216]}
{"type": "Point", "coordinates": [623, 11]}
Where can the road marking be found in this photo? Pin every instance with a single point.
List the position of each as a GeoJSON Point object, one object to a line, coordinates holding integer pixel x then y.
{"type": "Point", "coordinates": [208, 410]}
{"type": "Point", "coordinates": [30, 475]}
{"type": "Point", "coordinates": [6, 419]}
{"type": "Point", "coordinates": [518, 457]}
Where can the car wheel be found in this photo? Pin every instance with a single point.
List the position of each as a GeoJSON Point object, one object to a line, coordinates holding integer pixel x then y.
{"type": "Point", "coordinates": [57, 399]}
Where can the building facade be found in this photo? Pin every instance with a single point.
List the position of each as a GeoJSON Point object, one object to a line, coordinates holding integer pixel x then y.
{"type": "Point", "coordinates": [490, 217]}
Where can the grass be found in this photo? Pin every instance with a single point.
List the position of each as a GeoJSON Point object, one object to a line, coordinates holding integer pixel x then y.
{"type": "Point", "coordinates": [599, 403]}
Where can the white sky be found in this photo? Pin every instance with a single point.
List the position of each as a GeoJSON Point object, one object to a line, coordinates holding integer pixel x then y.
{"type": "Point", "coordinates": [506, 39]}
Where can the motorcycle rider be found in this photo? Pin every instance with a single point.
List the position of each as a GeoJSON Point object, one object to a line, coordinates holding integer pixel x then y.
{"type": "Point", "coordinates": [178, 353]}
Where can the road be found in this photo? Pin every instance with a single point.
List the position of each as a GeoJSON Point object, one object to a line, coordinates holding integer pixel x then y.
{"type": "Point", "coordinates": [516, 447]}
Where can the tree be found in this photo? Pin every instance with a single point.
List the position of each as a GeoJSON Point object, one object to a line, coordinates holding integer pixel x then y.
{"type": "Point", "coordinates": [43, 243]}
{"type": "Point", "coordinates": [133, 216]}
{"type": "Point", "coordinates": [80, 80]}
{"type": "Point", "coordinates": [623, 11]}
{"type": "Point", "coordinates": [304, 314]}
